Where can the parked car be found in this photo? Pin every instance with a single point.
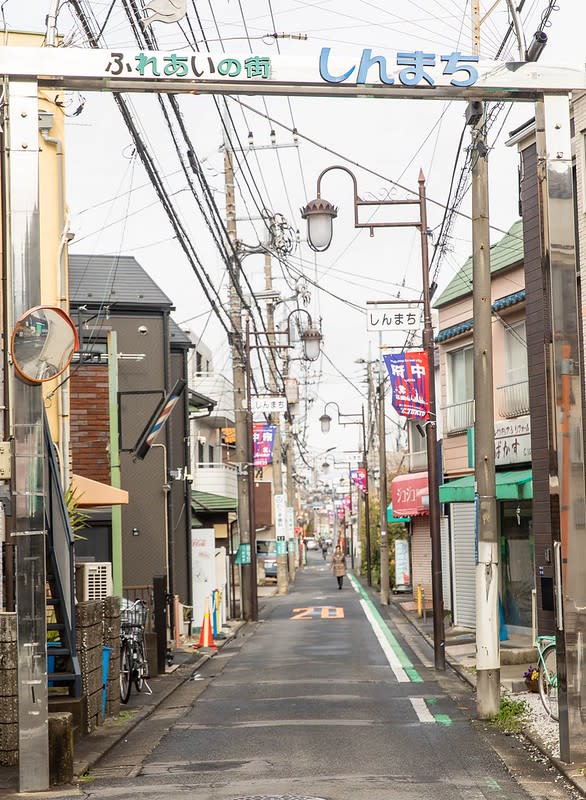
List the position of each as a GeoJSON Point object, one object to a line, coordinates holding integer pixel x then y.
{"type": "Point", "coordinates": [266, 550]}
{"type": "Point", "coordinates": [311, 543]}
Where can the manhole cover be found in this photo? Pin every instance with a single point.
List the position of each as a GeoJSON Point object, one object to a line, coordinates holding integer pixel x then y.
{"type": "Point", "coordinates": [277, 797]}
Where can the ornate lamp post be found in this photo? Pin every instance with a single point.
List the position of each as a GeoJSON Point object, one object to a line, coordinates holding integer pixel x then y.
{"type": "Point", "coordinates": [320, 215]}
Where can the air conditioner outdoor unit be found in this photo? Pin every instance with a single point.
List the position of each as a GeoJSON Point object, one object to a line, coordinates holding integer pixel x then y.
{"type": "Point", "coordinates": [94, 580]}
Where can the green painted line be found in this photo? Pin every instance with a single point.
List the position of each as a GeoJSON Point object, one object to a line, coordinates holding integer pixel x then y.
{"type": "Point", "coordinates": [431, 701]}
{"type": "Point", "coordinates": [410, 670]}
{"type": "Point", "coordinates": [443, 719]}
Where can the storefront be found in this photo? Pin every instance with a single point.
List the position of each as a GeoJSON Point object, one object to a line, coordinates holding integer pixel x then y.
{"type": "Point", "coordinates": [514, 491]}
{"type": "Point", "coordinates": [410, 498]}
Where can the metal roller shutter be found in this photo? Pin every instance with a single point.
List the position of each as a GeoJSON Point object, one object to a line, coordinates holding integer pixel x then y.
{"type": "Point", "coordinates": [462, 517]}
{"type": "Point", "coordinates": [421, 554]}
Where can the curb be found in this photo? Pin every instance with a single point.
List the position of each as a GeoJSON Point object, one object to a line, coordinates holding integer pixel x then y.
{"type": "Point", "coordinates": [84, 765]}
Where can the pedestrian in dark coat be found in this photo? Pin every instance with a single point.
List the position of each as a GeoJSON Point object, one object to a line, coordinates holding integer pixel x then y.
{"type": "Point", "coordinates": [339, 565]}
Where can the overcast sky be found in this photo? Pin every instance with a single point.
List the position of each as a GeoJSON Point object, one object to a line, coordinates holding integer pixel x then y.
{"type": "Point", "coordinates": [114, 210]}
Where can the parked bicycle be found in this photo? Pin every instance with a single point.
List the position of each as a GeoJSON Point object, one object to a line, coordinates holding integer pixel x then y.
{"type": "Point", "coordinates": [548, 674]}
{"type": "Point", "coordinates": [133, 660]}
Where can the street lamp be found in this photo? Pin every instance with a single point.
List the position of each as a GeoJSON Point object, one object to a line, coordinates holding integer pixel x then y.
{"type": "Point", "coordinates": [325, 422]}
{"type": "Point", "coordinates": [320, 215]}
{"type": "Point", "coordinates": [311, 338]}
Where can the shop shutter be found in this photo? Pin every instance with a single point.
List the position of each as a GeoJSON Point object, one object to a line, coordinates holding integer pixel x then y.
{"type": "Point", "coordinates": [462, 517]}
{"type": "Point", "coordinates": [446, 563]}
{"type": "Point", "coordinates": [421, 554]}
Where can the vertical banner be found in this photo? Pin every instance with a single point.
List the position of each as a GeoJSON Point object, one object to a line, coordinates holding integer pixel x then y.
{"type": "Point", "coordinates": [203, 570]}
{"type": "Point", "coordinates": [263, 437]}
{"type": "Point", "coordinates": [409, 374]}
{"type": "Point", "coordinates": [280, 517]}
{"type": "Point", "coordinates": [358, 476]}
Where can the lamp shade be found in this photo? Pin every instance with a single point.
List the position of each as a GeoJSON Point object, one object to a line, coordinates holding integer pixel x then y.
{"type": "Point", "coordinates": [311, 339]}
{"type": "Point", "coordinates": [320, 215]}
{"type": "Point", "coordinates": [325, 421]}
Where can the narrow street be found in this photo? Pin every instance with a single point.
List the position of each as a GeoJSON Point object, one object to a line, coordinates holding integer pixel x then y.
{"type": "Point", "coordinates": [318, 701]}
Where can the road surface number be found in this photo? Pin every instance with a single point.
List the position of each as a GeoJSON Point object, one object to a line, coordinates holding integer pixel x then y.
{"type": "Point", "coordinates": [318, 612]}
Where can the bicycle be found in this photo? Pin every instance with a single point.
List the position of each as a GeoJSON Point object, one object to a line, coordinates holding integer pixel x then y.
{"type": "Point", "coordinates": [548, 674]}
{"type": "Point", "coordinates": [133, 661]}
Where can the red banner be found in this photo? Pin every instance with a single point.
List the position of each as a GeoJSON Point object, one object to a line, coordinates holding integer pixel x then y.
{"type": "Point", "coordinates": [358, 476]}
{"type": "Point", "coordinates": [409, 374]}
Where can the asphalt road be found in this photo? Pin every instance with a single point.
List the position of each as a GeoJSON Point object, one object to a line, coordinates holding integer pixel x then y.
{"type": "Point", "coordinates": [313, 702]}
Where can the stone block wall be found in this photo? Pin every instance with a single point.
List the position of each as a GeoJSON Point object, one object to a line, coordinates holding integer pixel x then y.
{"type": "Point", "coordinates": [111, 638]}
{"type": "Point", "coordinates": [8, 691]}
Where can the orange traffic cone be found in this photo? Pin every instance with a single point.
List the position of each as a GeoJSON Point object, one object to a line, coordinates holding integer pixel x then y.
{"type": "Point", "coordinates": [206, 637]}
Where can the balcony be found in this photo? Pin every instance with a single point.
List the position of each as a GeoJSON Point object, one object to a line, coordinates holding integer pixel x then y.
{"type": "Point", "coordinates": [417, 461]}
{"type": "Point", "coordinates": [220, 389]}
{"type": "Point", "coordinates": [459, 417]}
{"type": "Point", "coordinates": [512, 399]}
{"type": "Point", "coordinates": [216, 478]}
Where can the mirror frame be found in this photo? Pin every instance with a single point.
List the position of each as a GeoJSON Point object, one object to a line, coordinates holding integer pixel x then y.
{"type": "Point", "coordinates": [66, 318]}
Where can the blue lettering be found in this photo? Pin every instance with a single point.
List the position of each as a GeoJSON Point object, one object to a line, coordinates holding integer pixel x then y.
{"type": "Point", "coordinates": [367, 61]}
{"type": "Point", "coordinates": [324, 71]}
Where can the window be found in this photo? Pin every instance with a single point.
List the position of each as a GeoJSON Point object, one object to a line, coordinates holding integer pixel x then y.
{"type": "Point", "coordinates": [461, 375]}
{"type": "Point", "coordinates": [211, 453]}
{"type": "Point", "coordinates": [515, 353]}
{"type": "Point", "coordinates": [200, 452]}
{"type": "Point", "coordinates": [198, 362]}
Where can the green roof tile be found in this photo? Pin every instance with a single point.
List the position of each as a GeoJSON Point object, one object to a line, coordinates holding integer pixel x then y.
{"type": "Point", "coordinates": [503, 254]}
{"type": "Point", "coordinates": [206, 501]}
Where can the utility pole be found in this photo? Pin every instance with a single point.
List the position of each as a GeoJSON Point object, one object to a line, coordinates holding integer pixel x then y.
{"type": "Point", "coordinates": [248, 593]}
{"type": "Point", "coordinates": [487, 568]}
{"type": "Point", "coordinates": [382, 455]}
{"type": "Point", "coordinates": [282, 579]}
{"type": "Point", "coordinates": [366, 497]}
{"type": "Point", "coordinates": [439, 649]}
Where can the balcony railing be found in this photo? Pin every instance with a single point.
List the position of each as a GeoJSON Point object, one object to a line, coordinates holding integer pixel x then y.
{"type": "Point", "coordinates": [216, 478]}
{"type": "Point", "coordinates": [513, 399]}
{"type": "Point", "coordinates": [417, 460]}
{"type": "Point", "coordinates": [459, 417]}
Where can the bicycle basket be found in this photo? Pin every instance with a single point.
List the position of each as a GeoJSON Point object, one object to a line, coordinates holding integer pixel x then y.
{"type": "Point", "coordinates": [134, 614]}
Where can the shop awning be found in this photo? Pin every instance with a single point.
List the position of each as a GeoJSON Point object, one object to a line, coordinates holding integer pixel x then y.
{"type": "Point", "coordinates": [202, 502]}
{"type": "Point", "coordinates": [93, 494]}
{"type": "Point", "coordinates": [510, 485]}
{"type": "Point", "coordinates": [410, 494]}
{"type": "Point", "coordinates": [391, 517]}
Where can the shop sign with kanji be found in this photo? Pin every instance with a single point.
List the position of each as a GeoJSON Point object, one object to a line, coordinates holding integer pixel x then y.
{"type": "Point", "coordinates": [263, 438]}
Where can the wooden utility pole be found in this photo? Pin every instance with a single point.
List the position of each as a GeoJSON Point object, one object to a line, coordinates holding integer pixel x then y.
{"type": "Point", "coordinates": [384, 539]}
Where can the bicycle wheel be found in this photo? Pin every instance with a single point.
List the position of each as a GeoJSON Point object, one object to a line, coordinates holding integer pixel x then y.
{"type": "Point", "coordinates": [139, 672]}
{"type": "Point", "coordinates": [548, 681]}
{"type": "Point", "coordinates": [125, 671]}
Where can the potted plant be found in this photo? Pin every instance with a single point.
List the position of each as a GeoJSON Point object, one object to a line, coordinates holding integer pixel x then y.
{"type": "Point", "coordinates": [531, 676]}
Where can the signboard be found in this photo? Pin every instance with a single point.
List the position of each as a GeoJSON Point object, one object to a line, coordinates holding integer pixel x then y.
{"type": "Point", "coordinates": [334, 72]}
{"type": "Point", "coordinates": [280, 518]}
{"type": "Point", "coordinates": [409, 374]}
{"type": "Point", "coordinates": [290, 522]}
{"type": "Point", "coordinates": [242, 554]}
{"type": "Point", "coordinates": [203, 571]}
{"type": "Point", "coordinates": [402, 571]}
{"type": "Point", "coordinates": [268, 404]}
{"type": "Point", "coordinates": [291, 390]}
{"type": "Point", "coordinates": [512, 442]}
{"type": "Point", "coordinates": [410, 494]}
{"type": "Point", "coordinates": [394, 317]}
{"type": "Point", "coordinates": [263, 439]}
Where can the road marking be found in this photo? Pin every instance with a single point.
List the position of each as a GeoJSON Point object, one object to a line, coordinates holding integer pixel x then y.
{"type": "Point", "coordinates": [391, 647]}
{"type": "Point", "coordinates": [318, 612]}
{"type": "Point", "coordinates": [422, 711]}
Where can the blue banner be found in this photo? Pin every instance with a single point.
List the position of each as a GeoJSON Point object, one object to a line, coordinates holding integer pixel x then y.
{"type": "Point", "coordinates": [409, 376]}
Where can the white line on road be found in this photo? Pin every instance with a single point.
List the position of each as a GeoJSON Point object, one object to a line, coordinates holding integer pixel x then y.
{"type": "Point", "coordinates": [391, 656]}
{"type": "Point", "coordinates": [421, 709]}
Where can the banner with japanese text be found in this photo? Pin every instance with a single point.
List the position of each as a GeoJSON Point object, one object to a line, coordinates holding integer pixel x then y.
{"type": "Point", "coordinates": [358, 476]}
{"type": "Point", "coordinates": [409, 374]}
{"type": "Point", "coordinates": [263, 438]}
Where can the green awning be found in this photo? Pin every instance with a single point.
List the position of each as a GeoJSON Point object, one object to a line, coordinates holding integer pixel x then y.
{"type": "Point", "coordinates": [391, 518]}
{"type": "Point", "coordinates": [510, 485]}
{"type": "Point", "coordinates": [206, 501]}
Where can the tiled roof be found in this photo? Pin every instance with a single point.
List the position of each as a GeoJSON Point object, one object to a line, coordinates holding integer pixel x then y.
{"type": "Point", "coordinates": [468, 325]}
{"type": "Point", "coordinates": [177, 336]}
{"type": "Point", "coordinates": [503, 254]}
{"type": "Point", "coordinates": [112, 279]}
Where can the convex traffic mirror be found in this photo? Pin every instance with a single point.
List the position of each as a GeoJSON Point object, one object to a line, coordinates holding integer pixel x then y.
{"type": "Point", "coordinates": [43, 342]}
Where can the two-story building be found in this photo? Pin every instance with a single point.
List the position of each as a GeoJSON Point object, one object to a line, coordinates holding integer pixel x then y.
{"type": "Point", "coordinates": [512, 430]}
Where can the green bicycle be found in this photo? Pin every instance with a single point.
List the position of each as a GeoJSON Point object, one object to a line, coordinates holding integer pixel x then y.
{"type": "Point", "coordinates": [548, 674]}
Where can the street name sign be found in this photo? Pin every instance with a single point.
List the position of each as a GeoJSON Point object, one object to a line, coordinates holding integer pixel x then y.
{"type": "Point", "coordinates": [395, 317]}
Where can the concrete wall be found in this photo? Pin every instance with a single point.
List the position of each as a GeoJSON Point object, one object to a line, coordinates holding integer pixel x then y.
{"type": "Point", "coordinates": [8, 691]}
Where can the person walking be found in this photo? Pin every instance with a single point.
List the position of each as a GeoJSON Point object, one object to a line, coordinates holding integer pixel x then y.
{"type": "Point", "coordinates": [339, 565]}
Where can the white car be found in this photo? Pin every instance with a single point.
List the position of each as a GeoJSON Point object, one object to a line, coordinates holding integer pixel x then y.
{"type": "Point", "coordinates": [311, 543]}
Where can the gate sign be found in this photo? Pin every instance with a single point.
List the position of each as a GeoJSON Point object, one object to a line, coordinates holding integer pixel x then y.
{"type": "Point", "coordinates": [394, 317]}
{"type": "Point", "coordinates": [409, 375]}
{"type": "Point", "coordinates": [349, 71]}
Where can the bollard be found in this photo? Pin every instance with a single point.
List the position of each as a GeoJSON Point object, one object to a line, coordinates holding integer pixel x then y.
{"type": "Point", "coordinates": [60, 747]}
{"type": "Point", "coordinates": [419, 595]}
